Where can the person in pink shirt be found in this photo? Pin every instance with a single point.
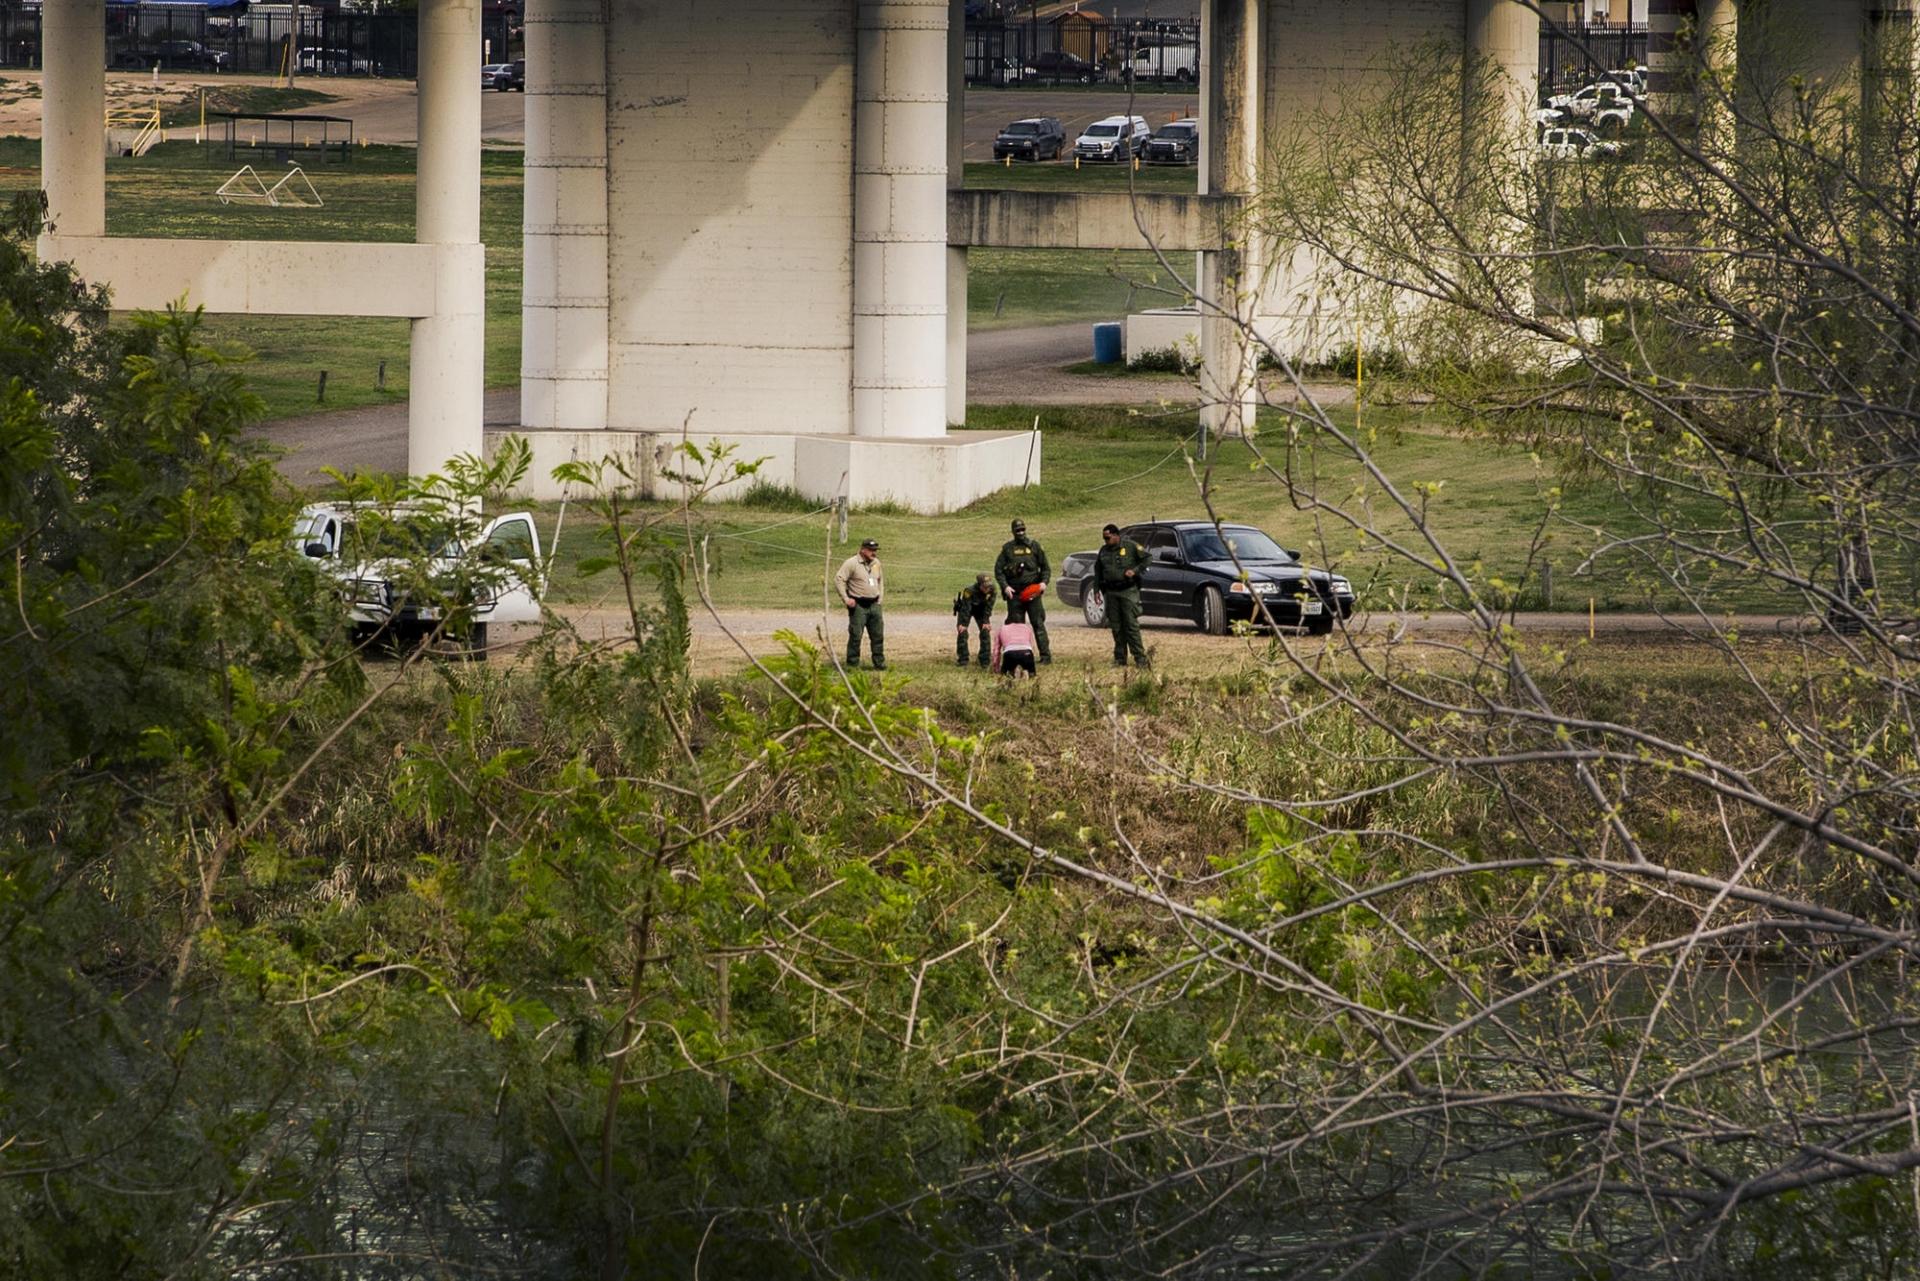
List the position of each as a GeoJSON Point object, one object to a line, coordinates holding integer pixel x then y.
{"type": "Point", "coordinates": [1013, 649]}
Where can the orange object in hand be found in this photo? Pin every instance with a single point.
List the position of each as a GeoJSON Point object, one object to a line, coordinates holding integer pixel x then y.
{"type": "Point", "coordinates": [1028, 592]}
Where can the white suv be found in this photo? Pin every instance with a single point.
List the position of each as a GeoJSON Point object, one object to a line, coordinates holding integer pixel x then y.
{"type": "Point", "coordinates": [1114, 139]}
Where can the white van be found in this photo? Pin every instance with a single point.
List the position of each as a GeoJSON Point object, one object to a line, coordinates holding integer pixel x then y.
{"type": "Point", "coordinates": [1179, 62]}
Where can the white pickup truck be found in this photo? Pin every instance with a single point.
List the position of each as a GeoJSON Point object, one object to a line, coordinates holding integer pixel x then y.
{"type": "Point", "coordinates": [1607, 102]}
{"type": "Point", "coordinates": [408, 572]}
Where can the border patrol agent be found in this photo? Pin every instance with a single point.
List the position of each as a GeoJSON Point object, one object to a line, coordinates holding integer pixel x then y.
{"type": "Point", "coordinates": [974, 605]}
{"type": "Point", "coordinates": [1118, 569]}
{"type": "Point", "coordinates": [1023, 565]}
{"type": "Point", "coordinates": [860, 588]}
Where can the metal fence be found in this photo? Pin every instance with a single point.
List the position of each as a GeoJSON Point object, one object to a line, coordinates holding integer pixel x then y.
{"type": "Point", "coordinates": [1073, 50]}
{"type": "Point", "coordinates": [144, 36]}
{"type": "Point", "coordinates": [1571, 56]}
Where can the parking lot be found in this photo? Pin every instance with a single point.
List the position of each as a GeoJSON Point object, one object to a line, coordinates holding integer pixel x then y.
{"type": "Point", "coordinates": [989, 110]}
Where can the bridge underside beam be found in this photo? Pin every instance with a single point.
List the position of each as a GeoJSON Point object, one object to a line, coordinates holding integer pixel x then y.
{"type": "Point", "coordinates": [270, 277]}
{"type": "Point", "coordinates": [1084, 220]}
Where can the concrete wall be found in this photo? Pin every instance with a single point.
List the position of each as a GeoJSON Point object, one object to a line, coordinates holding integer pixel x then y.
{"type": "Point", "coordinates": [1315, 56]}
{"type": "Point", "coordinates": [925, 475]}
{"type": "Point", "coordinates": [1063, 220]}
{"type": "Point", "coordinates": [1817, 39]}
{"type": "Point", "coordinates": [730, 216]}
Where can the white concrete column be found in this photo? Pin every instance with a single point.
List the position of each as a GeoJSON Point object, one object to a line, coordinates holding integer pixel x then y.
{"type": "Point", "coordinates": [1504, 35]}
{"type": "Point", "coordinates": [563, 336]}
{"type": "Point", "coordinates": [1230, 279]}
{"type": "Point", "coordinates": [447, 377]}
{"type": "Point", "coordinates": [900, 166]}
{"type": "Point", "coordinates": [1717, 40]}
{"type": "Point", "coordinates": [73, 107]}
{"type": "Point", "coordinates": [1667, 75]}
{"type": "Point", "coordinates": [956, 178]}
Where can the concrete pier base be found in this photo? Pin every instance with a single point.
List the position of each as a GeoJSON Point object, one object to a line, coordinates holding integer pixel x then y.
{"type": "Point", "coordinates": [926, 475]}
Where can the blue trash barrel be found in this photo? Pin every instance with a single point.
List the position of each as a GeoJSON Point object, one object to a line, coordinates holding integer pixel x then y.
{"type": "Point", "coordinates": [1109, 348]}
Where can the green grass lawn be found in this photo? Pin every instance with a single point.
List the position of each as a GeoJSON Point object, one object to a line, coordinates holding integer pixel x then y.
{"type": "Point", "coordinates": [1063, 175]}
{"type": "Point", "coordinates": [169, 192]}
{"type": "Point", "coordinates": [1117, 464]}
{"type": "Point", "coordinates": [1100, 463]}
{"type": "Point", "coordinates": [1007, 288]}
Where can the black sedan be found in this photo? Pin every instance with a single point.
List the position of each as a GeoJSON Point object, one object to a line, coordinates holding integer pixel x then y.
{"type": "Point", "coordinates": [1057, 65]}
{"type": "Point", "coordinates": [1036, 138]}
{"type": "Point", "coordinates": [1191, 574]}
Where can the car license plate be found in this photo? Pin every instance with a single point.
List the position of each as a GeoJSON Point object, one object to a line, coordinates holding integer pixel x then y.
{"type": "Point", "coordinates": [1309, 608]}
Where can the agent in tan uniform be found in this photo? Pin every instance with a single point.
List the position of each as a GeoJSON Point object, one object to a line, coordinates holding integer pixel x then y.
{"type": "Point", "coordinates": [860, 590]}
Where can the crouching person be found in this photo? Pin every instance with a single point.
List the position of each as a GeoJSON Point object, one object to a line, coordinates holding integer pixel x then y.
{"type": "Point", "coordinates": [1013, 649]}
{"type": "Point", "coordinates": [974, 605]}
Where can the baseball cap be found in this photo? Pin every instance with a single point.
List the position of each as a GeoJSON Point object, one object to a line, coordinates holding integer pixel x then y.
{"type": "Point", "coordinates": [1019, 526]}
{"type": "Point", "coordinates": [870, 544]}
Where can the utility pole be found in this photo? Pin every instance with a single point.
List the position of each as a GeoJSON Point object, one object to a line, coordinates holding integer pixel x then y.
{"type": "Point", "coordinates": [293, 45]}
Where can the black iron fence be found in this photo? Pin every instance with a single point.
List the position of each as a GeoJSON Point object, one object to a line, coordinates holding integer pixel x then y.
{"type": "Point", "coordinates": [141, 36]}
{"type": "Point", "coordinates": [1073, 50]}
{"type": "Point", "coordinates": [1574, 56]}
{"type": "Point", "coordinates": [1070, 50]}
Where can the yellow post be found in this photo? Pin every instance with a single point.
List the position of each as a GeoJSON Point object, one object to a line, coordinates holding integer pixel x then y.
{"type": "Point", "coordinates": [201, 133]}
{"type": "Point", "coordinates": [1009, 160]}
{"type": "Point", "coordinates": [1076, 162]}
{"type": "Point", "coordinates": [1359, 375]}
{"type": "Point", "coordinates": [1589, 618]}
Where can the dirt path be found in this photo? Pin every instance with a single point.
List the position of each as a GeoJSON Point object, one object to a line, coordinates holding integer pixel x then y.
{"type": "Point", "coordinates": [382, 110]}
{"type": "Point", "coordinates": [920, 639]}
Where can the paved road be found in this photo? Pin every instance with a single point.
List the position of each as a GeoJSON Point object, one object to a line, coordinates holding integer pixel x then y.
{"type": "Point", "coordinates": [371, 438]}
{"type": "Point", "coordinates": [1004, 366]}
{"type": "Point", "coordinates": [388, 112]}
{"type": "Point", "coordinates": [987, 111]}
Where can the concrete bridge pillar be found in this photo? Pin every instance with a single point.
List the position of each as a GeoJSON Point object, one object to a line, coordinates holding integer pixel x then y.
{"type": "Point", "coordinates": [447, 377]}
{"type": "Point", "coordinates": [1230, 279]}
{"type": "Point", "coordinates": [563, 342]}
{"type": "Point", "coordinates": [956, 178]}
{"type": "Point", "coordinates": [73, 147]}
{"type": "Point", "coordinates": [900, 177]}
{"type": "Point", "coordinates": [1503, 35]}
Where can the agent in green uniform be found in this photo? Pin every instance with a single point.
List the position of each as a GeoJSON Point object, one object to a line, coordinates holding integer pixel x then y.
{"type": "Point", "coordinates": [974, 605]}
{"type": "Point", "coordinates": [1022, 565]}
{"type": "Point", "coordinates": [1118, 569]}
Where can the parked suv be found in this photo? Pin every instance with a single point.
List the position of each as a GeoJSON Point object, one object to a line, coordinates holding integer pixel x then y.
{"type": "Point", "coordinates": [1115, 139]}
{"type": "Point", "coordinates": [1058, 64]}
{"type": "Point", "coordinates": [1036, 138]}
{"type": "Point", "coordinates": [513, 77]}
{"type": "Point", "coordinates": [1576, 144]}
{"type": "Point", "coordinates": [1176, 143]}
{"type": "Point", "coordinates": [1192, 574]}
